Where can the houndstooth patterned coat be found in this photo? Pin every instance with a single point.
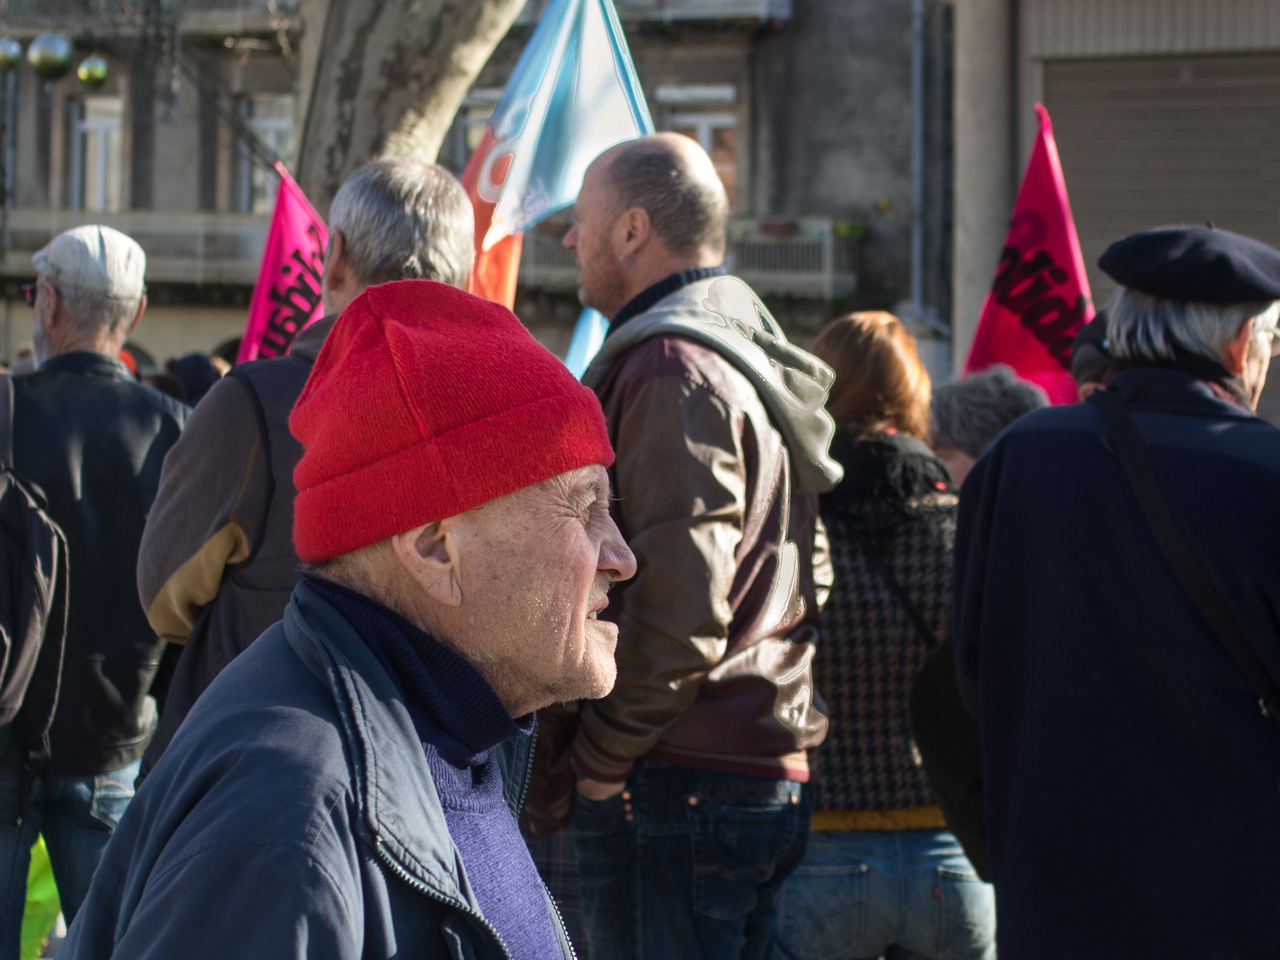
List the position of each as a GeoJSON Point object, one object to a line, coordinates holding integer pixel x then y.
{"type": "Point", "coordinates": [897, 500]}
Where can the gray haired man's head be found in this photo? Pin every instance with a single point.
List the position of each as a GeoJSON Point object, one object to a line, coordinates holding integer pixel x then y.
{"type": "Point", "coordinates": [96, 277]}
{"type": "Point", "coordinates": [969, 414]}
{"type": "Point", "coordinates": [1192, 293]}
{"type": "Point", "coordinates": [402, 219]}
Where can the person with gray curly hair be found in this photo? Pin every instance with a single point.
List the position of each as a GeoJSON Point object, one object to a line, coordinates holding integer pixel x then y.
{"type": "Point", "coordinates": [1116, 589]}
{"type": "Point", "coordinates": [217, 565]}
{"type": "Point", "coordinates": [968, 415]}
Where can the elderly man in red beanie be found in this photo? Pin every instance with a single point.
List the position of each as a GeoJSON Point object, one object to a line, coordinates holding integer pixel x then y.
{"type": "Point", "coordinates": [347, 788]}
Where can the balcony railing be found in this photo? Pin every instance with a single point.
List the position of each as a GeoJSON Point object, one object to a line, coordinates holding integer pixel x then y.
{"type": "Point", "coordinates": [180, 247]}
{"type": "Point", "coordinates": [24, 18]}
{"type": "Point", "coordinates": [682, 10]}
{"type": "Point", "coordinates": [811, 258]}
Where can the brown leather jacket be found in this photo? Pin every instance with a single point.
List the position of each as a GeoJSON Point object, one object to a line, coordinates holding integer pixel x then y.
{"type": "Point", "coordinates": [717, 629]}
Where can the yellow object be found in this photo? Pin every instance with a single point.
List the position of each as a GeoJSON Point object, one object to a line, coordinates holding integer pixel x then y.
{"type": "Point", "coordinates": [42, 907]}
{"type": "Point", "coordinates": [928, 817]}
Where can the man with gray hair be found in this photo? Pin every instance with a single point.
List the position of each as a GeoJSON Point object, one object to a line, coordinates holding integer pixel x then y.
{"type": "Point", "coordinates": [93, 440]}
{"type": "Point", "coordinates": [967, 416]}
{"type": "Point", "coordinates": [1117, 581]}
{"type": "Point", "coordinates": [218, 565]}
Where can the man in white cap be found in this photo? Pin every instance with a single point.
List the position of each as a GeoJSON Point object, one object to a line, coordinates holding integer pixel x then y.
{"type": "Point", "coordinates": [93, 439]}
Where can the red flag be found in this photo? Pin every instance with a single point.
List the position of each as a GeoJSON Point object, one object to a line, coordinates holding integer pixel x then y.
{"type": "Point", "coordinates": [286, 297]}
{"type": "Point", "coordinates": [493, 276]}
{"type": "Point", "coordinates": [1040, 296]}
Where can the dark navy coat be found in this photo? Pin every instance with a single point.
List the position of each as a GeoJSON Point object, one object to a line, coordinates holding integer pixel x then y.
{"type": "Point", "coordinates": [294, 815]}
{"type": "Point", "coordinates": [1132, 784]}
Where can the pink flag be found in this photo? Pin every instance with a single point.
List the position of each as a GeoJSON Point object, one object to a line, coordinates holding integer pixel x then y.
{"type": "Point", "coordinates": [286, 297]}
{"type": "Point", "coordinates": [1040, 296]}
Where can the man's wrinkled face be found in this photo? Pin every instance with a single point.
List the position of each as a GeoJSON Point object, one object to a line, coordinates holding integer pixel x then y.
{"type": "Point", "coordinates": [592, 238]}
{"type": "Point", "coordinates": [535, 576]}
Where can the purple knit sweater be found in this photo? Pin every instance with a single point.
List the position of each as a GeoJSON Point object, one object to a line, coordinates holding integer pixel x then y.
{"type": "Point", "coordinates": [459, 720]}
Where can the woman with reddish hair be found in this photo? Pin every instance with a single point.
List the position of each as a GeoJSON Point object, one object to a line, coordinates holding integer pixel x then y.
{"type": "Point", "coordinates": [882, 875]}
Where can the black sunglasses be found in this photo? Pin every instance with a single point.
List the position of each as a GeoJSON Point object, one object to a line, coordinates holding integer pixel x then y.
{"type": "Point", "coordinates": [29, 291]}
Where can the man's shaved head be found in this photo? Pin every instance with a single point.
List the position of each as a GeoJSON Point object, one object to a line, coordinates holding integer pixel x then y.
{"type": "Point", "coordinates": [670, 177]}
{"type": "Point", "coordinates": [648, 208]}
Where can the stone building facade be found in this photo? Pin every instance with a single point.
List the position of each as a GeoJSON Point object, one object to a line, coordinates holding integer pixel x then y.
{"type": "Point", "coordinates": [811, 110]}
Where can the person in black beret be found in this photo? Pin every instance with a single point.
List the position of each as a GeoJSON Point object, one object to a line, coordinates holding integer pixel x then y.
{"type": "Point", "coordinates": [1132, 782]}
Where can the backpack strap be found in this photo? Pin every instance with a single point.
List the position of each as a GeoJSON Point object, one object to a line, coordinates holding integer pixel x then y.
{"type": "Point", "coordinates": [1193, 577]}
{"type": "Point", "coordinates": [264, 434]}
{"type": "Point", "coordinates": [882, 568]}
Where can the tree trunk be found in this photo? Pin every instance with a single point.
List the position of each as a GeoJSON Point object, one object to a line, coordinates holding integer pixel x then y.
{"type": "Point", "coordinates": [389, 76]}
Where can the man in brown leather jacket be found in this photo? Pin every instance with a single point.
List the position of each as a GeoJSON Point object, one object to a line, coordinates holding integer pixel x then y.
{"type": "Point", "coordinates": [217, 564]}
{"type": "Point", "coordinates": [690, 808]}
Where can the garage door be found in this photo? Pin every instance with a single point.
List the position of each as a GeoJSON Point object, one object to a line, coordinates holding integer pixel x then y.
{"type": "Point", "coordinates": [1147, 141]}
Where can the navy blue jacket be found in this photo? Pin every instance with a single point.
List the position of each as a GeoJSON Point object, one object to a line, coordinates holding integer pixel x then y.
{"type": "Point", "coordinates": [1132, 784]}
{"type": "Point", "coordinates": [293, 815]}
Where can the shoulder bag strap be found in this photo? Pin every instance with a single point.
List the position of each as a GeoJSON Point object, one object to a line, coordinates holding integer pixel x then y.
{"type": "Point", "coordinates": [6, 422]}
{"type": "Point", "coordinates": [1195, 581]}
{"type": "Point", "coordinates": [890, 581]}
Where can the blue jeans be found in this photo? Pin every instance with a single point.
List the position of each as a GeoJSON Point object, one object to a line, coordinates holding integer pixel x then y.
{"type": "Point", "coordinates": [903, 895]}
{"type": "Point", "coordinates": [77, 817]}
{"type": "Point", "coordinates": [686, 862]}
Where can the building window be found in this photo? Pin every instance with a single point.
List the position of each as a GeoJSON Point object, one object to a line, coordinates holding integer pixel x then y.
{"type": "Point", "coordinates": [703, 111]}
{"type": "Point", "coordinates": [96, 174]}
{"type": "Point", "coordinates": [270, 116]}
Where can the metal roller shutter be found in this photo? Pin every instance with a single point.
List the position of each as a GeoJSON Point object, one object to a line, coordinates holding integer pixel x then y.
{"type": "Point", "coordinates": [1147, 141]}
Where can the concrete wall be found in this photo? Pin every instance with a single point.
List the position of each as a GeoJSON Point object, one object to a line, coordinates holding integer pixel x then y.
{"type": "Point", "coordinates": [176, 171]}
{"type": "Point", "coordinates": [833, 118]}
{"type": "Point", "coordinates": [984, 156]}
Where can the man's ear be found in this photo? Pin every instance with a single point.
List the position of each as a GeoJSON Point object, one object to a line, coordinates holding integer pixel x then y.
{"type": "Point", "coordinates": [634, 228]}
{"type": "Point", "coordinates": [429, 555]}
{"type": "Point", "coordinates": [336, 267]}
{"type": "Point", "coordinates": [1237, 351]}
{"type": "Point", "coordinates": [52, 313]}
{"type": "Point", "coordinates": [142, 308]}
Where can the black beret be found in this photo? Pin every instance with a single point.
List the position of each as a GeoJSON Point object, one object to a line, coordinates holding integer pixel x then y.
{"type": "Point", "coordinates": [1200, 264]}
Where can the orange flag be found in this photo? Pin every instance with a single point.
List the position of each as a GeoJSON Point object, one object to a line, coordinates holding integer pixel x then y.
{"type": "Point", "coordinates": [494, 274]}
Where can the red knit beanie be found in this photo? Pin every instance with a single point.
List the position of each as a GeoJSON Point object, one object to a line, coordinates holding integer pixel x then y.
{"type": "Point", "coordinates": [425, 402]}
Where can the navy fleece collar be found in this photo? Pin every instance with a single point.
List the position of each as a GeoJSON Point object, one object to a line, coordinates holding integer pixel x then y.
{"type": "Point", "coordinates": [650, 295]}
{"type": "Point", "coordinates": [452, 706]}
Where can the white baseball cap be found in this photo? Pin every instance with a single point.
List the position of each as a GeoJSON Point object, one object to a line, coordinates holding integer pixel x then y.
{"type": "Point", "coordinates": [95, 259]}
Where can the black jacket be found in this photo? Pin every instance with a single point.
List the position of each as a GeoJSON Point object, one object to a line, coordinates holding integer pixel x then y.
{"type": "Point", "coordinates": [93, 439]}
{"type": "Point", "coordinates": [895, 500]}
{"type": "Point", "coordinates": [1131, 781]}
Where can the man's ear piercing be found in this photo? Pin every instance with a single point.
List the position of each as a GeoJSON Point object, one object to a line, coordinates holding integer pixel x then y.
{"type": "Point", "coordinates": [622, 261]}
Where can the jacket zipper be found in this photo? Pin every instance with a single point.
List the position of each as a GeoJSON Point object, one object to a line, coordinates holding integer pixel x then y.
{"type": "Point", "coordinates": [421, 887]}
{"type": "Point", "coordinates": [524, 792]}
{"type": "Point", "coordinates": [528, 773]}
{"type": "Point", "coordinates": [555, 910]}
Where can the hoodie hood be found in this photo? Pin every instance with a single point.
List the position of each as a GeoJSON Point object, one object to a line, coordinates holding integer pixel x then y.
{"type": "Point", "coordinates": [723, 313]}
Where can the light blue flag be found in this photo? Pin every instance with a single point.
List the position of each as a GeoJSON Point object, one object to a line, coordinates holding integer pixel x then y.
{"type": "Point", "coordinates": [588, 336]}
{"type": "Point", "coordinates": [573, 94]}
